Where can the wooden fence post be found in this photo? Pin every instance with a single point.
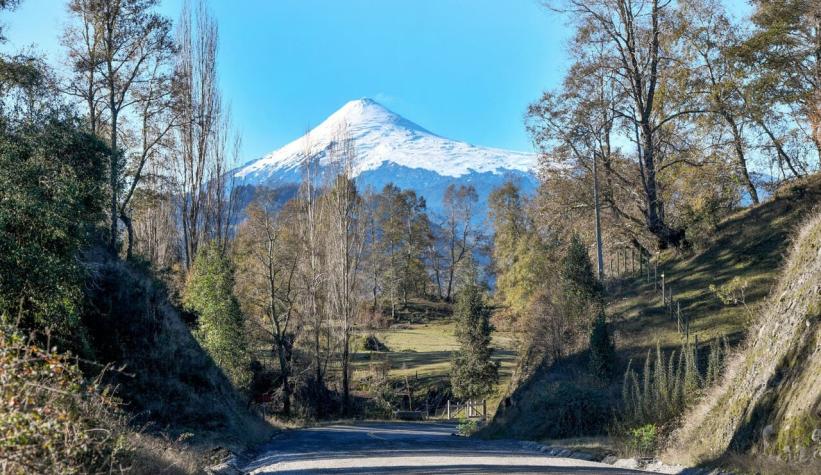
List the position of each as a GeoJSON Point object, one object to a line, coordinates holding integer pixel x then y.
{"type": "Point", "coordinates": [484, 409]}
{"type": "Point", "coordinates": [678, 317]}
{"type": "Point", "coordinates": [663, 291]}
{"type": "Point", "coordinates": [655, 277]}
{"type": "Point", "coordinates": [647, 268]}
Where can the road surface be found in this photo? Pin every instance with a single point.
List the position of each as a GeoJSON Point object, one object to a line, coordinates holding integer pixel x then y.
{"type": "Point", "coordinates": [407, 447]}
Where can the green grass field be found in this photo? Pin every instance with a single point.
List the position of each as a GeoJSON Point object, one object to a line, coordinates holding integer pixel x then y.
{"type": "Point", "coordinates": [423, 352]}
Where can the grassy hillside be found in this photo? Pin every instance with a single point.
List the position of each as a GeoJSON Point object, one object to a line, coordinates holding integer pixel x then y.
{"type": "Point", "coordinates": [770, 399]}
{"type": "Point", "coordinates": [749, 246]}
{"type": "Point", "coordinates": [422, 351]}
{"type": "Point", "coordinates": [181, 403]}
{"type": "Point", "coordinates": [562, 400]}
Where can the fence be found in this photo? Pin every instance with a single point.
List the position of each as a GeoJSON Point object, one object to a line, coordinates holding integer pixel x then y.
{"type": "Point", "coordinates": [469, 410]}
{"type": "Point", "coordinates": [631, 263]}
{"type": "Point", "coordinates": [450, 411]}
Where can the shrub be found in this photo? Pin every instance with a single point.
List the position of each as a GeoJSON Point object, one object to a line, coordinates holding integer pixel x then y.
{"type": "Point", "coordinates": [51, 176]}
{"type": "Point", "coordinates": [669, 384]}
{"type": "Point", "coordinates": [576, 407]}
{"type": "Point", "coordinates": [382, 390]}
{"type": "Point", "coordinates": [643, 440]}
{"type": "Point", "coordinates": [602, 350]}
{"type": "Point", "coordinates": [210, 294]}
{"type": "Point", "coordinates": [467, 427]}
{"type": "Point", "coordinates": [372, 343]}
{"type": "Point", "coordinates": [51, 419]}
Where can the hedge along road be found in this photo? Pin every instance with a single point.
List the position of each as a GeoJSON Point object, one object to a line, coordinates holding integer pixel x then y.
{"type": "Point", "coordinates": [407, 447]}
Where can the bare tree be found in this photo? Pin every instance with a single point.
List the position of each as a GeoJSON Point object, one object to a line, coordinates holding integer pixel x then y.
{"type": "Point", "coordinates": [156, 120]}
{"type": "Point", "coordinates": [641, 44]}
{"type": "Point", "coordinates": [269, 250]}
{"type": "Point", "coordinates": [344, 243]}
{"type": "Point", "coordinates": [435, 259]}
{"type": "Point", "coordinates": [82, 41]}
{"type": "Point", "coordinates": [154, 216]}
{"type": "Point", "coordinates": [198, 105]}
{"type": "Point", "coordinates": [117, 46]}
{"type": "Point", "coordinates": [221, 193]}
{"type": "Point", "coordinates": [709, 35]}
{"type": "Point", "coordinates": [460, 236]}
{"type": "Point", "coordinates": [311, 270]}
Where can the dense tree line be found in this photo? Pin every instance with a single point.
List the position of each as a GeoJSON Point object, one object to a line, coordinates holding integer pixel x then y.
{"type": "Point", "coordinates": [334, 260]}
{"type": "Point", "coordinates": [683, 109]}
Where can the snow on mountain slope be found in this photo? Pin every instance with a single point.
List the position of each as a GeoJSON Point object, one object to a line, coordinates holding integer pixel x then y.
{"type": "Point", "coordinates": [390, 148]}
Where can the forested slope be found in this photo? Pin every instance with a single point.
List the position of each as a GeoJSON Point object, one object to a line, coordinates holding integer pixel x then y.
{"type": "Point", "coordinates": [561, 398]}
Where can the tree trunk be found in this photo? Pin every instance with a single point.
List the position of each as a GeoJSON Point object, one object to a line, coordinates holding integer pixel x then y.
{"type": "Point", "coordinates": [318, 348]}
{"type": "Point", "coordinates": [130, 229]}
{"type": "Point", "coordinates": [113, 175]}
{"type": "Point", "coordinates": [738, 145]}
{"type": "Point", "coordinates": [284, 371]}
{"type": "Point", "coordinates": [345, 380]}
{"type": "Point", "coordinates": [448, 294]}
{"type": "Point", "coordinates": [654, 214]}
{"type": "Point", "coordinates": [597, 208]}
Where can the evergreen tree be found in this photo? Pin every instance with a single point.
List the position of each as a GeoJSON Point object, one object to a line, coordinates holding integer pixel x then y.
{"type": "Point", "coordinates": [209, 294]}
{"type": "Point", "coordinates": [51, 177]}
{"type": "Point", "coordinates": [602, 349]}
{"type": "Point", "coordinates": [473, 373]}
{"type": "Point", "coordinates": [577, 272]}
{"type": "Point", "coordinates": [581, 292]}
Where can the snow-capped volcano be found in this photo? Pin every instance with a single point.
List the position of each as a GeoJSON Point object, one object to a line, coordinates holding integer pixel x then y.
{"type": "Point", "coordinates": [392, 149]}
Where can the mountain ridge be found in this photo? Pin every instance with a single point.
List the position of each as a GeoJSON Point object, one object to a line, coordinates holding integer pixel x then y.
{"type": "Point", "coordinates": [392, 149]}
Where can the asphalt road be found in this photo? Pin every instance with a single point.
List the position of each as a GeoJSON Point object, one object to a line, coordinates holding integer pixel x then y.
{"type": "Point", "coordinates": [407, 447]}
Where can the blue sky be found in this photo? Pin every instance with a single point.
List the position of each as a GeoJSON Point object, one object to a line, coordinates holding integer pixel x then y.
{"type": "Point", "coordinates": [465, 69]}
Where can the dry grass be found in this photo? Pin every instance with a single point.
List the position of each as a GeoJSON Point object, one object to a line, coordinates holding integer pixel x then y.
{"type": "Point", "coordinates": [750, 245]}
{"type": "Point", "coordinates": [774, 378]}
{"type": "Point", "coordinates": [162, 455]}
{"type": "Point", "coordinates": [763, 465]}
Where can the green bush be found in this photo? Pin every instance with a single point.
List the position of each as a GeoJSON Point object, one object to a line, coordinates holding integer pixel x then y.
{"type": "Point", "coordinates": [467, 427]}
{"type": "Point", "coordinates": [602, 350]}
{"type": "Point", "coordinates": [209, 293]}
{"type": "Point", "coordinates": [51, 419]}
{"type": "Point", "coordinates": [643, 440]}
{"type": "Point", "coordinates": [51, 195]}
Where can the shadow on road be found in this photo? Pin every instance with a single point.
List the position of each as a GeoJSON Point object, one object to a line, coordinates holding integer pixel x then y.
{"type": "Point", "coordinates": [407, 447]}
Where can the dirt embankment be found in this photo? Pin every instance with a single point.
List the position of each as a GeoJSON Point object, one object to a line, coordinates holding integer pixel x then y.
{"type": "Point", "coordinates": [770, 400]}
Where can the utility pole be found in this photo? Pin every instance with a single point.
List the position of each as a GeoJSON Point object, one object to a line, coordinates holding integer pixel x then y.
{"type": "Point", "coordinates": [597, 207]}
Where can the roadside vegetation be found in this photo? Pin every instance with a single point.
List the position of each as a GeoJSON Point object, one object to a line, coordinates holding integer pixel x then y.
{"type": "Point", "coordinates": [686, 238]}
